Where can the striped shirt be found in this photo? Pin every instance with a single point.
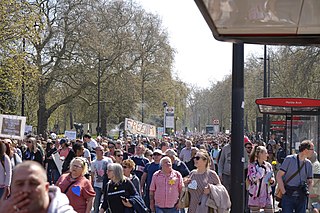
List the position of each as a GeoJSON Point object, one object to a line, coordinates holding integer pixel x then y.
{"type": "Point", "coordinates": [166, 188]}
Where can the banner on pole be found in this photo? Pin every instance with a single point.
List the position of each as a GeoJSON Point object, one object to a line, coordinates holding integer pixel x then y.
{"type": "Point", "coordinates": [137, 127]}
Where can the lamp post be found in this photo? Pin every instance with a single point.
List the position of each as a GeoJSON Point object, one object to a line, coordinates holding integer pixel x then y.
{"type": "Point", "coordinates": [99, 76]}
{"type": "Point", "coordinates": [22, 84]}
{"type": "Point", "coordinates": [266, 91]}
{"type": "Point", "coordinates": [164, 104]}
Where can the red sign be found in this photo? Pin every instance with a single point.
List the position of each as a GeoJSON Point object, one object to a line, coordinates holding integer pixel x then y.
{"type": "Point", "coordinates": [289, 102]}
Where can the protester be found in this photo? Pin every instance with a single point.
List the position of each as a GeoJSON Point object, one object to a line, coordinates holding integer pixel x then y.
{"type": "Point", "coordinates": [224, 166]}
{"type": "Point", "coordinates": [52, 170]}
{"type": "Point", "coordinates": [5, 171]}
{"type": "Point", "coordinates": [139, 160]}
{"type": "Point", "coordinates": [185, 154]}
{"type": "Point", "coordinates": [148, 154]}
{"type": "Point", "coordinates": [30, 192]}
{"type": "Point", "coordinates": [165, 188]}
{"type": "Point", "coordinates": [118, 155]}
{"type": "Point", "coordinates": [77, 187]}
{"type": "Point", "coordinates": [295, 192]}
{"type": "Point", "coordinates": [33, 152]}
{"type": "Point", "coordinates": [314, 197]}
{"type": "Point", "coordinates": [177, 164]}
{"type": "Point", "coordinates": [199, 179]}
{"type": "Point", "coordinates": [214, 154]}
{"type": "Point", "coordinates": [98, 174]}
{"type": "Point", "coordinates": [148, 172]}
{"type": "Point", "coordinates": [190, 164]}
{"type": "Point", "coordinates": [128, 167]}
{"type": "Point", "coordinates": [118, 191]}
{"type": "Point", "coordinates": [261, 177]}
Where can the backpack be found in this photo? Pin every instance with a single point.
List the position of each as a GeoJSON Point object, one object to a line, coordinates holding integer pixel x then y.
{"type": "Point", "coordinates": [281, 155]}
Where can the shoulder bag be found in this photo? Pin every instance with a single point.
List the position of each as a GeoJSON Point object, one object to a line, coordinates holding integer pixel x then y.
{"type": "Point", "coordinates": [278, 194]}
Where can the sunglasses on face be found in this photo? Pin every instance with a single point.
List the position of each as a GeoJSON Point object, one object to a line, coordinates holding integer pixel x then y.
{"type": "Point", "coordinates": [198, 158]}
{"type": "Point", "coordinates": [110, 147]}
{"type": "Point", "coordinates": [29, 141]}
{"type": "Point", "coordinates": [119, 156]}
{"type": "Point", "coordinates": [248, 147]}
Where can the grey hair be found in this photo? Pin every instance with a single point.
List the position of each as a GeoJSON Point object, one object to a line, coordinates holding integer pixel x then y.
{"type": "Point", "coordinates": [117, 171]}
{"type": "Point", "coordinates": [164, 158]}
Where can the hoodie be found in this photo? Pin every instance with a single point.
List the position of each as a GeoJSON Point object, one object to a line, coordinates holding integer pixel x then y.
{"type": "Point", "coordinates": [59, 202]}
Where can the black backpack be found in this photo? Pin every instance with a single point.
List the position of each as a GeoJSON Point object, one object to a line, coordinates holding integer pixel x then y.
{"type": "Point", "coordinates": [281, 155]}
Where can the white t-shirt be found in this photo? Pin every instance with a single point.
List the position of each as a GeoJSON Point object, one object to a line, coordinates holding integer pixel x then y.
{"type": "Point", "coordinates": [92, 144]}
{"type": "Point", "coordinates": [99, 167]}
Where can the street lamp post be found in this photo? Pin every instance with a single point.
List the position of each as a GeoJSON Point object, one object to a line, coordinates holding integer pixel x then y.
{"type": "Point", "coordinates": [164, 104]}
{"type": "Point", "coordinates": [99, 76]}
{"type": "Point", "coordinates": [22, 84]}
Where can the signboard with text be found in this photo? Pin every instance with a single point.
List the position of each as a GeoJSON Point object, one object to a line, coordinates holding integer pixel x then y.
{"type": "Point", "coordinates": [169, 117]}
{"type": "Point", "coordinates": [71, 135]}
{"type": "Point", "coordinates": [12, 126]}
{"type": "Point", "coordinates": [137, 127]}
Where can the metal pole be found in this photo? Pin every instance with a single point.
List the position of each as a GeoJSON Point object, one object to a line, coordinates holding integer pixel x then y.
{"type": "Point", "coordinates": [22, 84]}
{"type": "Point", "coordinates": [268, 91]}
{"type": "Point", "coordinates": [265, 92]}
{"type": "Point", "coordinates": [164, 104]}
{"type": "Point", "coordinates": [237, 130]}
{"type": "Point", "coordinates": [164, 120]}
{"type": "Point", "coordinates": [99, 75]}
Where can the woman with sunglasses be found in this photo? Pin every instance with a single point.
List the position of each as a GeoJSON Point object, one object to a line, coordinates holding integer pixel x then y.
{"type": "Point", "coordinates": [200, 178]}
{"type": "Point", "coordinates": [33, 151]}
{"type": "Point", "coordinates": [77, 187]}
{"type": "Point", "coordinates": [128, 167]}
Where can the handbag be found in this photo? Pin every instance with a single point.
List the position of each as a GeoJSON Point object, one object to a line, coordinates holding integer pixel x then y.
{"type": "Point", "coordinates": [278, 193]}
{"type": "Point", "coordinates": [184, 198]}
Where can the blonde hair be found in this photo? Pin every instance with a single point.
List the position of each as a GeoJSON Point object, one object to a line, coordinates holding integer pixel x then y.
{"type": "Point", "coordinates": [255, 152]}
{"type": "Point", "coordinates": [83, 163]}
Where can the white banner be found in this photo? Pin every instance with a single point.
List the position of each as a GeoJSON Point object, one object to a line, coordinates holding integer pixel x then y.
{"type": "Point", "coordinates": [57, 161]}
{"type": "Point", "coordinates": [71, 135]}
{"type": "Point", "coordinates": [137, 127]}
{"type": "Point", "coordinates": [12, 126]}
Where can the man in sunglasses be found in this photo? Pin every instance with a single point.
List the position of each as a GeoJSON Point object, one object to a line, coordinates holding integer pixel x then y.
{"type": "Point", "coordinates": [148, 172]}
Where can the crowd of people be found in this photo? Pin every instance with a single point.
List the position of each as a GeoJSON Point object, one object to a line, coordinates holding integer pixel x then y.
{"type": "Point", "coordinates": [138, 174]}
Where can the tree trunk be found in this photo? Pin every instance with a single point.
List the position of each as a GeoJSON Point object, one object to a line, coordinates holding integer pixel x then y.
{"type": "Point", "coordinates": [103, 109]}
{"type": "Point", "coordinates": [42, 113]}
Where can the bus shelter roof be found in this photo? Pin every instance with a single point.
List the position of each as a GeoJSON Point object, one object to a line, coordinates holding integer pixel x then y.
{"type": "Point", "coordinates": [287, 106]}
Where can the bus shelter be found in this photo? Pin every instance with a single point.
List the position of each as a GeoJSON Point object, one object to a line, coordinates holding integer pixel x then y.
{"type": "Point", "coordinates": [301, 119]}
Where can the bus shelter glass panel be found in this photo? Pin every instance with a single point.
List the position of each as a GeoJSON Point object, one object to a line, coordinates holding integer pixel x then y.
{"type": "Point", "coordinates": [308, 129]}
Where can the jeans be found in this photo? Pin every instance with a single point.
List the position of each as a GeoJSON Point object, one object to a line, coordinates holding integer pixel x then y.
{"type": "Point", "coordinates": [97, 199]}
{"type": "Point", "coordinates": [1, 192]}
{"type": "Point", "coordinates": [167, 210]}
{"type": "Point", "coordinates": [290, 203]}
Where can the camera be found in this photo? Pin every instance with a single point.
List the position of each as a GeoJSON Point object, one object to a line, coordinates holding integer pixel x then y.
{"type": "Point", "coordinates": [304, 188]}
